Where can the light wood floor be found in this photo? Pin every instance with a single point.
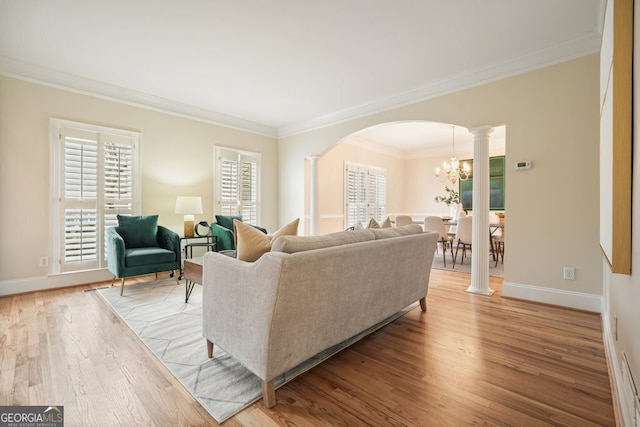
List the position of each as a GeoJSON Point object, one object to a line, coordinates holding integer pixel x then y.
{"type": "Point", "coordinates": [469, 360]}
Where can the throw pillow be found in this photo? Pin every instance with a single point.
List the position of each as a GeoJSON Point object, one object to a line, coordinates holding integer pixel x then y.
{"type": "Point", "coordinates": [386, 223]}
{"type": "Point", "coordinates": [251, 243]}
{"type": "Point", "coordinates": [226, 221]}
{"type": "Point", "coordinates": [290, 229]}
{"type": "Point", "coordinates": [373, 224]}
{"type": "Point", "coordinates": [138, 231]}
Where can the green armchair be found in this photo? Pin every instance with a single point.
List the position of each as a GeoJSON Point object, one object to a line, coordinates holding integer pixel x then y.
{"type": "Point", "coordinates": [138, 245]}
{"type": "Point", "coordinates": [223, 230]}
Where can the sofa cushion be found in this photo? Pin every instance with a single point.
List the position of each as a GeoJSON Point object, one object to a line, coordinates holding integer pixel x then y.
{"type": "Point", "coordinates": [146, 256]}
{"type": "Point", "coordinates": [383, 233]}
{"type": "Point", "coordinates": [226, 221]}
{"type": "Point", "coordinates": [138, 231]}
{"type": "Point", "coordinates": [252, 243]}
{"type": "Point", "coordinates": [292, 244]}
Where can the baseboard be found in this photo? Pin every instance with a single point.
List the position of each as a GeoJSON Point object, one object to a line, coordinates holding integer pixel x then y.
{"type": "Point", "coordinates": [577, 300]}
{"type": "Point", "coordinates": [30, 284]}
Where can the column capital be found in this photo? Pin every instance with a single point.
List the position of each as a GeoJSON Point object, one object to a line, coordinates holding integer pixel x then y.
{"type": "Point", "coordinates": [481, 130]}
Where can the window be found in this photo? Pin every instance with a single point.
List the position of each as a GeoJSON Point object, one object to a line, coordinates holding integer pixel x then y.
{"type": "Point", "coordinates": [365, 194]}
{"type": "Point", "coordinates": [95, 177]}
{"type": "Point", "coordinates": [496, 185]}
{"type": "Point", "coordinates": [238, 184]}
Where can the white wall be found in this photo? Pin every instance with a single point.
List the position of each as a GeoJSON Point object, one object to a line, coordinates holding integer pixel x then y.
{"type": "Point", "coordinates": [551, 117]}
{"type": "Point", "coordinates": [177, 159]}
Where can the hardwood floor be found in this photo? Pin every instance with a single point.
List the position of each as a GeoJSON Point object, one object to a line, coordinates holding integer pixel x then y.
{"type": "Point", "coordinates": [469, 360]}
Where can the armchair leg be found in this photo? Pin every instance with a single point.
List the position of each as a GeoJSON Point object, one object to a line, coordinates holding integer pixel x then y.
{"type": "Point", "coordinates": [268, 394]}
{"type": "Point", "coordinates": [122, 287]}
{"type": "Point", "coordinates": [113, 280]}
{"type": "Point", "coordinates": [210, 349]}
{"type": "Point", "coordinates": [177, 276]}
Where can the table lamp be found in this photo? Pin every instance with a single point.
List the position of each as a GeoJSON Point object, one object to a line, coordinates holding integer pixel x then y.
{"type": "Point", "coordinates": [188, 206]}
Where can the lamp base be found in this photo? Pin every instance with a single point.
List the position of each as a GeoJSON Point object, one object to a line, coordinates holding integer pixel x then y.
{"type": "Point", "coordinates": [188, 226]}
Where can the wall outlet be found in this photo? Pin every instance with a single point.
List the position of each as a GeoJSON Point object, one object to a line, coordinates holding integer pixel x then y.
{"type": "Point", "coordinates": [44, 262]}
{"type": "Point", "coordinates": [569, 273]}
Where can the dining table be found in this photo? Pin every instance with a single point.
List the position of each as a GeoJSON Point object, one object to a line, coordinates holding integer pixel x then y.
{"type": "Point", "coordinates": [493, 227]}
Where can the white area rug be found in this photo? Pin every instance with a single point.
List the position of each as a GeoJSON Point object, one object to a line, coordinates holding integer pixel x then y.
{"type": "Point", "coordinates": [172, 330]}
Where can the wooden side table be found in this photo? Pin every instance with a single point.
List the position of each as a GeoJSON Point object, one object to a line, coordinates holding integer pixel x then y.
{"type": "Point", "coordinates": [192, 272]}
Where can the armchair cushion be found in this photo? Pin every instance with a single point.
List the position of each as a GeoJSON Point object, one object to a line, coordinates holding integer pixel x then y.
{"type": "Point", "coordinates": [147, 256]}
{"type": "Point", "coordinates": [226, 221]}
{"type": "Point", "coordinates": [138, 231]}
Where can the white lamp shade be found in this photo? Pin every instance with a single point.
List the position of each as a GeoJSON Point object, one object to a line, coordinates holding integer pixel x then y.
{"type": "Point", "coordinates": [188, 205]}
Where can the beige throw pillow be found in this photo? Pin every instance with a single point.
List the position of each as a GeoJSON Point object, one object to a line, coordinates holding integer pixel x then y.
{"type": "Point", "coordinates": [374, 224]}
{"type": "Point", "coordinates": [252, 243]}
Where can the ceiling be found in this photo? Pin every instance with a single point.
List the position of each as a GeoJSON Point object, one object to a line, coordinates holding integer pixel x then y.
{"type": "Point", "coordinates": [281, 67]}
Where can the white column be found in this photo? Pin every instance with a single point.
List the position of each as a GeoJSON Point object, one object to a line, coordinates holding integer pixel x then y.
{"type": "Point", "coordinates": [480, 229]}
{"type": "Point", "coordinates": [314, 195]}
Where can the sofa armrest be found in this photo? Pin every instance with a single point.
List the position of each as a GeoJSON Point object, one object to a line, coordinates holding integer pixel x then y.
{"type": "Point", "coordinates": [238, 300]}
{"type": "Point", "coordinates": [224, 236]}
{"type": "Point", "coordinates": [115, 251]}
{"type": "Point", "coordinates": [170, 240]}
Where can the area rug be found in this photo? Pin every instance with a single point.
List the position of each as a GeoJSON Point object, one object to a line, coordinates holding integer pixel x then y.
{"type": "Point", "coordinates": [495, 271]}
{"type": "Point", "coordinates": [172, 330]}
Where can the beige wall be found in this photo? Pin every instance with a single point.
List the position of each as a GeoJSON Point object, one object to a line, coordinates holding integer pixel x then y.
{"type": "Point", "coordinates": [551, 117]}
{"type": "Point", "coordinates": [331, 176]}
{"type": "Point", "coordinates": [621, 316]}
{"type": "Point", "coordinates": [177, 159]}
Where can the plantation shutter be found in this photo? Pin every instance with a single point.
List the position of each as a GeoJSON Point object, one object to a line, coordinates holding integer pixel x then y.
{"type": "Point", "coordinates": [80, 198]}
{"type": "Point", "coordinates": [228, 204]}
{"type": "Point", "coordinates": [118, 180]}
{"type": "Point", "coordinates": [377, 195]}
{"type": "Point", "coordinates": [365, 194]}
{"type": "Point", "coordinates": [96, 178]}
{"type": "Point", "coordinates": [238, 184]}
{"type": "Point", "coordinates": [249, 191]}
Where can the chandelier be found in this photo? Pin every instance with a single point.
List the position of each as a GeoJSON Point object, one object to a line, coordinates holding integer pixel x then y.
{"type": "Point", "coordinates": [452, 171]}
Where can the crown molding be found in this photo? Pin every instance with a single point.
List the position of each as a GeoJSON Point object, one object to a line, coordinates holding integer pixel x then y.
{"type": "Point", "coordinates": [536, 60]}
{"type": "Point", "coordinates": [66, 81]}
{"type": "Point", "coordinates": [555, 54]}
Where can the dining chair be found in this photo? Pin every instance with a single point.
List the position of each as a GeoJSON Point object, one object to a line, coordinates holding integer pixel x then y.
{"type": "Point", "coordinates": [464, 237]}
{"type": "Point", "coordinates": [403, 220]}
{"type": "Point", "coordinates": [435, 223]}
{"type": "Point", "coordinates": [498, 244]}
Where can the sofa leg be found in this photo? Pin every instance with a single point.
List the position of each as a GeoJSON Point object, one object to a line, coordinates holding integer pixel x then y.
{"type": "Point", "coordinates": [268, 394]}
{"type": "Point", "coordinates": [122, 287]}
{"type": "Point", "coordinates": [423, 303]}
{"type": "Point", "coordinates": [210, 349]}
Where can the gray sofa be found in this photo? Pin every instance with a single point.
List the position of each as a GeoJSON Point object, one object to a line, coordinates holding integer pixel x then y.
{"type": "Point", "coordinates": [310, 293]}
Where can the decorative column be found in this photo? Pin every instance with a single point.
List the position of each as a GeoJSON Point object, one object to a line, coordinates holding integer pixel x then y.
{"type": "Point", "coordinates": [481, 206]}
{"type": "Point", "coordinates": [314, 196]}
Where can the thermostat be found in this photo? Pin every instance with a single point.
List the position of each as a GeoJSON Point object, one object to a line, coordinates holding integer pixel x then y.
{"type": "Point", "coordinates": [523, 165]}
